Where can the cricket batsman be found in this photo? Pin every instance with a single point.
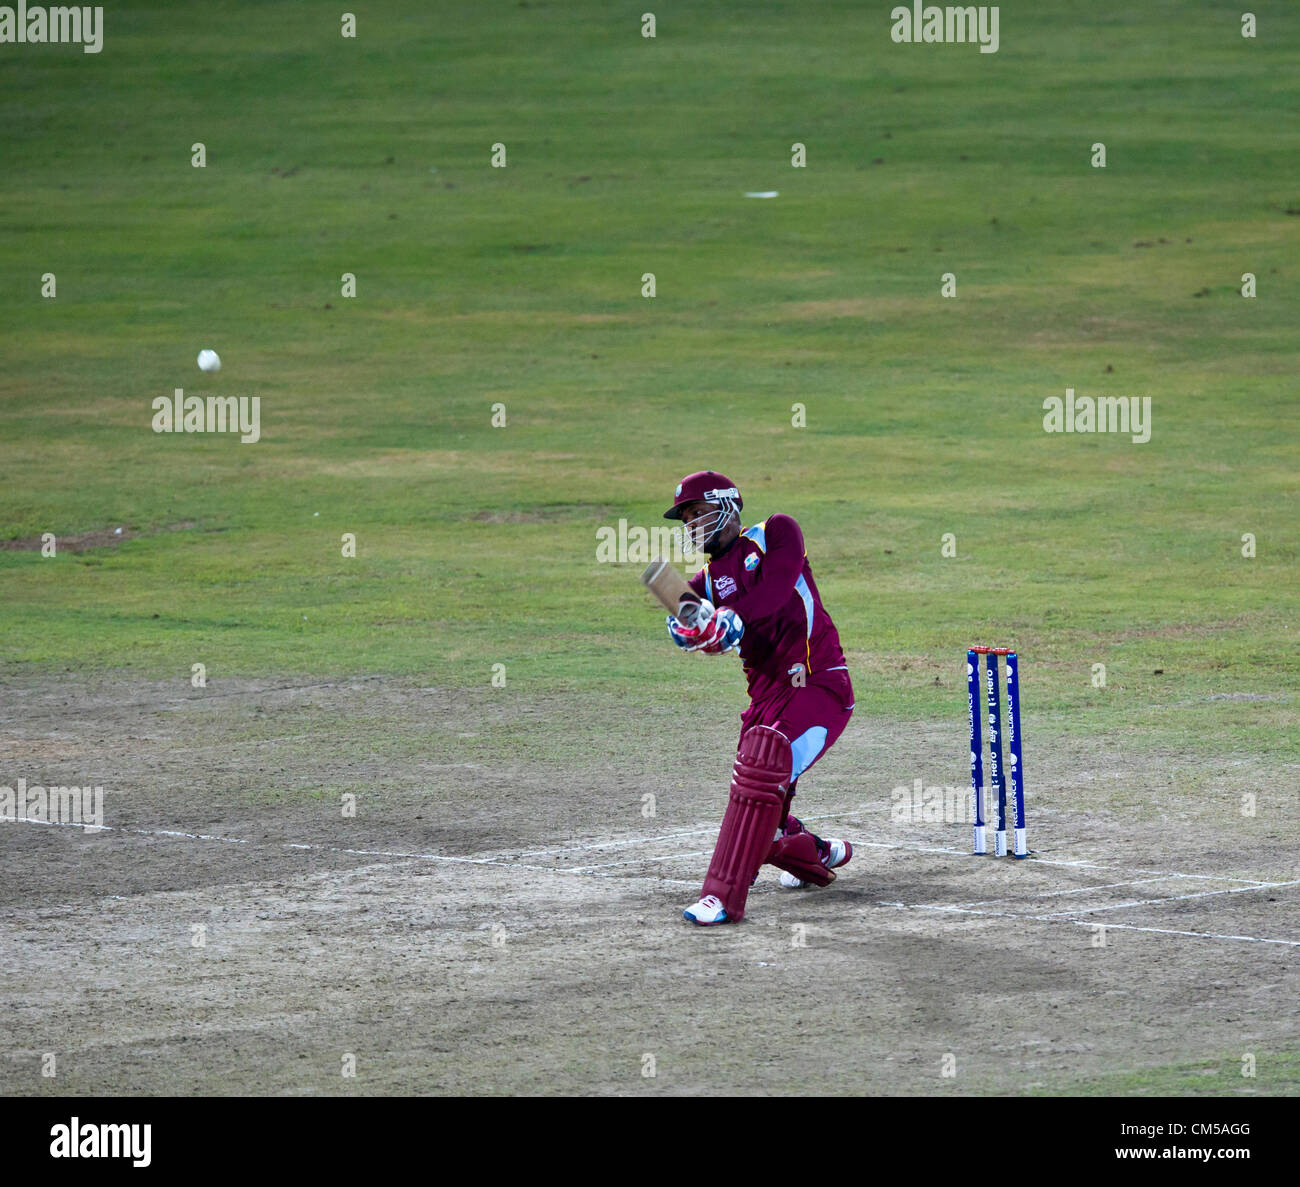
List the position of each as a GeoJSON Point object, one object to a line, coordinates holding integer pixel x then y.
{"type": "Point", "coordinates": [757, 595]}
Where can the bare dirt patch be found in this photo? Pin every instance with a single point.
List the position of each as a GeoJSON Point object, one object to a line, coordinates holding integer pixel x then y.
{"type": "Point", "coordinates": [85, 541]}
{"type": "Point", "coordinates": [99, 538]}
{"type": "Point", "coordinates": [501, 914]}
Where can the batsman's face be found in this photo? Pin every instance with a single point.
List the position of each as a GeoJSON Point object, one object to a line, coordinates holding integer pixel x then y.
{"type": "Point", "coordinates": [694, 510]}
{"type": "Point", "coordinates": [704, 522]}
{"type": "Point", "coordinates": [695, 525]}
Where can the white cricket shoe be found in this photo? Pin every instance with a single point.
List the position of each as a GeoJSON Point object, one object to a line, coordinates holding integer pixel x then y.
{"type": "Point", "coordinates": [840, 852]}
{"type": "Point", "coordinates": [707, 911]}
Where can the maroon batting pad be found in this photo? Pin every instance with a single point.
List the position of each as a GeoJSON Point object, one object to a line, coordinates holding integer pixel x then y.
{"type": "Point", "coordinates": [798, 855]}
{"type": "Point", "coordinates": [761, 772]}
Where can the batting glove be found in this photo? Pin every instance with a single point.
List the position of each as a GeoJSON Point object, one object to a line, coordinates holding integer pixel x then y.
{"type": "Point", "coordinates": [687, 636]}
{"type": "Point", "coordinates": [721, 633]}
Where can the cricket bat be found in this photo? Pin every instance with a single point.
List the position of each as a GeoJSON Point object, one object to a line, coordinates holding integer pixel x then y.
{"type": "Point", "coordinates": [670, 587]}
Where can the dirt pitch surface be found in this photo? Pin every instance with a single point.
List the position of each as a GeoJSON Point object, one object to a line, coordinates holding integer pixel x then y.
{"type": "Point", "coordinates": [503, 912]}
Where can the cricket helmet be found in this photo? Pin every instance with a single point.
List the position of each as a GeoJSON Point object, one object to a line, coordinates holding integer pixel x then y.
{"type": "Point", "coordinates": [711, 487]}
{"type": "Point", "coordinates": [708, 485]}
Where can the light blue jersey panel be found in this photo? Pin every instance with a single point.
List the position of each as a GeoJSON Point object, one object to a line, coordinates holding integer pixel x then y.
{"type": "Point", "coordinates": [805, 749]}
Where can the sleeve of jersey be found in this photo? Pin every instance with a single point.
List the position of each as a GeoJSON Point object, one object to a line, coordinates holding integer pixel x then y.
{"type": "Point", "coordinates": [782, 563]}
{"type": "Point", "coordinates": [697, 583]}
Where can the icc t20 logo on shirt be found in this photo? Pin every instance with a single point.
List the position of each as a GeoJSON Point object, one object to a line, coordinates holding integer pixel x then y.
{"type": "Point", "coordinates": [726, 586]}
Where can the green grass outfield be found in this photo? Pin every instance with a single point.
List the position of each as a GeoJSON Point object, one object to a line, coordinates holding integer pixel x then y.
{"type": "Point", "coordinates": [475, 285]}
{"type": "Point", "coordinates": [1273, 1075]}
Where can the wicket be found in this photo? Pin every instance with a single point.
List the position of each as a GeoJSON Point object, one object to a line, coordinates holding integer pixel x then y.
{"type": "Point", "coordinates": [997, 779]}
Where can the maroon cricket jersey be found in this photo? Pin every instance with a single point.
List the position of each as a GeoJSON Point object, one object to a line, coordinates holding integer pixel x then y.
{"type": "Point", "coordinates": [764, 576]}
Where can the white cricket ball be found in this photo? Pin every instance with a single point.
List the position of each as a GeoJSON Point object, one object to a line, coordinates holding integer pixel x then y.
{"type": "Point", "coordinates": [209, 360]}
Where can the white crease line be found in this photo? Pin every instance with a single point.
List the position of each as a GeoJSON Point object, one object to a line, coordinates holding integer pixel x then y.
{"type": "Point", "coordinates": [609, 844]}
{"type": "Point", "coordinates": [167, 832]}
{"type": "Point", "coordinates": [636, 861]}
{"type": "Point", "coordinates": [480, 861]}
{"type": "Point", "coordinates": [916, 847]}
{"type": "Point", "coordinates": [593, 871]}
{"type": "Point", "coordinates": [1252, 883]}
{"type": "Point", "coordinates": [849, 814]}
{"type": "Point", "coordinates": [1165, 931]}
{"type": "Point", "coordinates": [90, 828]}
{"type": "Point", "coordinates": [1092, 865]}
{"type": "Point", "coordinates": [1204, 935]}
{"type": "Point", "coordinates": [1034, 859]}
{"type": "Point", "coordinates": [988, 902]}
{"type": "Point", "coordinates": [496, 857]}
{"type": "Point", "coordinates": [694, 832]}
{"type": "Point", "coordinates": [1173, 898]}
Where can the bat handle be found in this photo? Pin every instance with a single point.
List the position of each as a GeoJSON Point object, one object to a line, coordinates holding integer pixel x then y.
{"type": "Point", "coordinates": [687, 610]}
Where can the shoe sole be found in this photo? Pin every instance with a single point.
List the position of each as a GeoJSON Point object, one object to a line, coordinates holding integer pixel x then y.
{"type": "Point", "coordinates": [702, 922]}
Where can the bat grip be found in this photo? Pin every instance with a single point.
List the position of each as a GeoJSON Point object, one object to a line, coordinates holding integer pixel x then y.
{"type": "Point", "coordinates": [687, 610]}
